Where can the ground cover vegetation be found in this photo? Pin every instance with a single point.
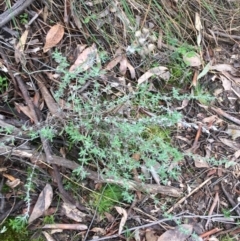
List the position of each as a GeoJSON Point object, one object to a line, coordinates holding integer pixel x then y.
{"type": "Point", "coordinates": [119, 120]}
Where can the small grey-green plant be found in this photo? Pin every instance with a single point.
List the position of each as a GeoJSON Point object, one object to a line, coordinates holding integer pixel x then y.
{"type": "Point", "coordinates": [47, 132]}
{"type": "Point", "coordinates": [19, 223]}
{"type": "Point", "coordinates": [109, 138]}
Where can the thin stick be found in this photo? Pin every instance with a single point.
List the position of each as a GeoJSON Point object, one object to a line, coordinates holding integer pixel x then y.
{"type": "Point", "coordinates": [184, 198]}
{"type": "Point", "coordinates": [227, 116]}
{"type": "Point", "coordinates": [145, 17]}
{"type": "Point", "coordinates": [215, 201]}
{"type": "Point", "coordinates": [15, 10]}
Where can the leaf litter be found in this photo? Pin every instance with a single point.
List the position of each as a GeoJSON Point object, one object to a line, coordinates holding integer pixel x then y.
{"type": "Point", "coordinates": [138, 53]}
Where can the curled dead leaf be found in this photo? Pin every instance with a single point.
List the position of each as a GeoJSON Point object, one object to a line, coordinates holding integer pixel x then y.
{"type": "Point", "coordinates": [122, 212]}
{"type": "Point", "coordinates": [20, 46]}
{"type": "Point", "coordinates": [223, 67]}
{"type": "Point", "coordinates": [86, 59]}
{"type": "Point", "coordinates": [160, 71]}
{"type": "Point", "coordinates": [180, 233]}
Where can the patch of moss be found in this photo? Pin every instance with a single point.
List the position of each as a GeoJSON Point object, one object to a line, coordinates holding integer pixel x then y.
{"type": "Point", "coordinates": [157, 131]}
{"type": "Point", "coordinates": [106, 199]}
{"type": "Point", "coordinates": [13, 235]}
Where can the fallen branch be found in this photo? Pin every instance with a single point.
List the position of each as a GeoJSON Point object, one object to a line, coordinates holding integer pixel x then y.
{"type": "Point", "coordinates": [37, 157]}
{"type": "Point", "coordinates": [15, 10]}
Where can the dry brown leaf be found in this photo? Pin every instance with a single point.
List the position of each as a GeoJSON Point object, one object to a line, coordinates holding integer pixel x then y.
{"type": "Point", "coordinates": [123, 66]}
{"type": "Point", "coordinates": [36, 99]}
{"type": "Point", "coordinates": [210, 119]}
{"type": "Point", "coordinates": [81, 47]}
{"type": "Point", "coordinates": [54, 36]}
{"type": "Point", "coordinates": [232, 144]}
{"type": "Point", "coordinates": [85, 60]}
{"type": "Point", "coordinates": [72, 212]}
{"type": "Point", "coordinates": [9, 177]}
{"type": "Point", "coordinates": [223, 67]}
{"type": "Point", "coordinates": [42, 204]}
{"type": "Point", "coordinates": [195, 80]}
{"type": "Point", "coordinates": [180, 233]}
{"type": "Point", "coordinates": [151, 236]}
{"type": "Point", "coordinates": [160, 71]}
{"type": "Point", "coordinates": [227, 84]}
{"type": "Point", "coordinates": [13, 184]}
{"type": "Point", "coordinates": [200, 162]}
{"type": "Point", "coordinates": [48, 236]}
{"type": "Point", "coordinates": [184, 104]}
{"type": "Point", "coordinates": [113, 63]}
{"type": "Point", "coordinates": [131, 70]}
{"type": "Point", "coordinates": [25, 109]}
{"type": "Point", "coordinates": [19, 49]}
{"type": "Point", "coordinates": [109, 217]}
{"type": "Point", "coordinates": [233, 131]}
{"type": "Point", "coordinates": [122, 212]}
{"type": "Point", "coordinates": [198, 24]}
{"type": "Point", "coordinates": [99, 230]}
{"type": "Point", "coordinates": [231, 77]}
{"type": "Point", "coordinates": [192, 59]}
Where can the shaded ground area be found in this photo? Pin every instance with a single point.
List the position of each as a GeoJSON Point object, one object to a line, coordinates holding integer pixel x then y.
{"type": "Point", "coordinates": [119, 120]}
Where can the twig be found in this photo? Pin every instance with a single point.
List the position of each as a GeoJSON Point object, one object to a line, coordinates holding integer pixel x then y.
{"type": "Point", "coordinates": [53, 107]}
{"type": "Point", "coordinates": [147, 11]}
{"type": "Point", "coordinates": [227, 35]}
{"type": "Point", "coordinates": [3, 216]}
{"type": "Point", "coordinates": [195, 143]}
{"type": "Point", "coordinates": [46, 146]}
{"type": "Point", "coordinates": [156, 222]}
{"type": "Point", "coordinates": [16, 9]}
{"type": "Point", "coordinates": [60, 161]}
{"type": "Point", "coordinates": [215, 201]}
{"type": "Point", "coordinates": [193, 191]}
{"type": "Point", "coordinates": [210, 232]}
{"type": "Point", "coordinates": [229, 198]}
{"type": "Point", "coordinates": [227, 116]}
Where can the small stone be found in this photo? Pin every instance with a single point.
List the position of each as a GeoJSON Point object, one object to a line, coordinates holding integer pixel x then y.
{"type": "Point", "coordinates": [138, 34]}
{"type": "Point", "coordinates": [145, 31]}
{"type": "Point", "coordinates": [151, 47]}
{"type": "Point", "coordinates": [142, 41]}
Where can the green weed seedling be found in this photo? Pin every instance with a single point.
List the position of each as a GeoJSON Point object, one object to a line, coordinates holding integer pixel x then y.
{"type": "Point", "coordinates": [15, 229]}
{"type": "Point", "coordinates": [226, 213]}
{"type": "Point", "coordinates": [228, 238]}
{"type": "Point", "coordinates": [49, 219]}
{"type": "Point", "coordinates": [3, 84]}
{"type": "Point", "coordinates": [24, 18]}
